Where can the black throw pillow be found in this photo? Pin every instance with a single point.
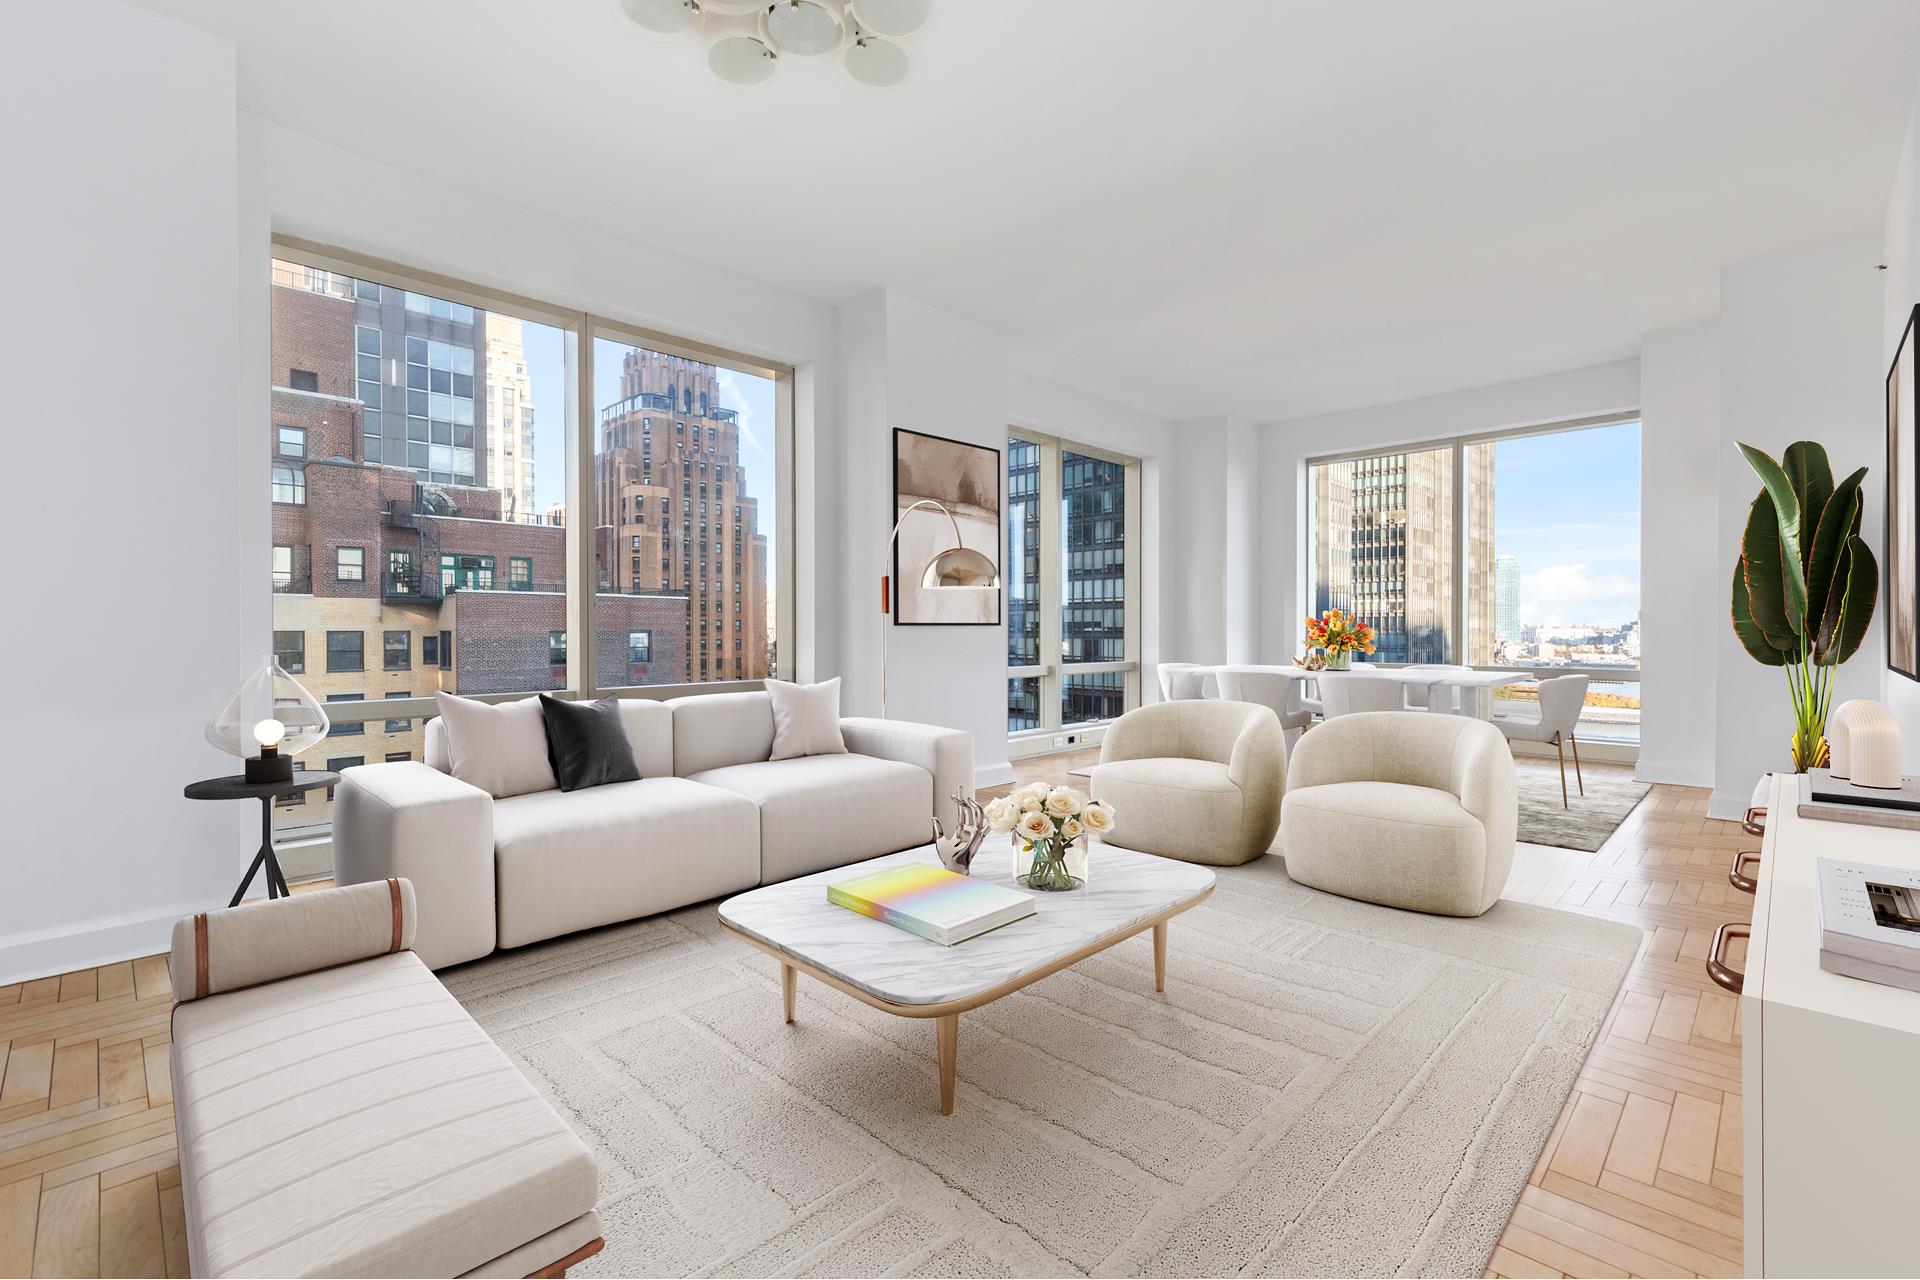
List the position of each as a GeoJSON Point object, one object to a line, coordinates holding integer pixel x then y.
{"type": "Point", "coordinates": [586, 743]}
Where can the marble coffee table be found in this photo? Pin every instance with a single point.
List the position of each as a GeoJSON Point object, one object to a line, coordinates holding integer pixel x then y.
{"type": "Point", "coordinates": [902, 973]}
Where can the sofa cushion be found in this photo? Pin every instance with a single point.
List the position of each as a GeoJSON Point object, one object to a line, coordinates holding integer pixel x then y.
{"type": "Point", "coordinates": [649, 727]}
{"type": "Point", "coordinates": [712, 730]}
{"type": "Point", "coordinates": [826, 811]}
{"type": "Point", "coordinates": [500, 748]}
{"type": "Point", "coordinates": [355, 1121]}
{"type": "Point", "coordinates": [1175, 808]}
{"type": "Point", "coordinates": [1387, 842]}
{"type": "Point", "coordinates": [587, 744]}
{"type": "Point", "coordinates": [1168, 773]}
{"type": "Point", "coordinates": [573, 860]}
{"type": "Point", "coordinates": [806, 719]}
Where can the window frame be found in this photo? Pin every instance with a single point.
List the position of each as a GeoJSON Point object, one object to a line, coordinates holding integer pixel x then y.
{"type": "Point", "coordinates": [295, 484]}
{"type": "Point", "coordinates": [362, 666]}
{"type": "Point", "coordinates": [341, 564]}
{"type": "Point", "coordinates": [1051, 671]}
{"type": "Point", "coordinates": [581, 329]}
{"type": "Point", "coordinates": [1459, 620]}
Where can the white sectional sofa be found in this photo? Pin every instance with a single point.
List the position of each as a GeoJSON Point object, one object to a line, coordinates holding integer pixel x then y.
{"type": "Point", "coordinates": [711, 815]}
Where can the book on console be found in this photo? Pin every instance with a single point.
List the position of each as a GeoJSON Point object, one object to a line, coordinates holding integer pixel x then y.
{"type": "Point", "coordinates": [932, 902]}
{"type": "Point", "coordinates": [1870, 922]}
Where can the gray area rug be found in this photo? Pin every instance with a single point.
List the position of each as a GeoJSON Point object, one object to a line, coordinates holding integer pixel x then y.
{"type": "Point", "coordinates": [1326, 1088]}
{"type": "Point", "coordinates": [1587, 820]}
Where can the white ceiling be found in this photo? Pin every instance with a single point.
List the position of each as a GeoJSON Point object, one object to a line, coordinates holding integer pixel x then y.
{"type": "Point", "coordinates": [1255, 207]}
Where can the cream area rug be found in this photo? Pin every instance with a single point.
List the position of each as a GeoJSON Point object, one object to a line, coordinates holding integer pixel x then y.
{"type": "Point", "coordinates": [1326, 1088]}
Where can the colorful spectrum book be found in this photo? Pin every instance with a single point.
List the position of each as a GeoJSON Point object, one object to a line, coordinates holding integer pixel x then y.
{"type": "Point", "coordinates": [932, 902]}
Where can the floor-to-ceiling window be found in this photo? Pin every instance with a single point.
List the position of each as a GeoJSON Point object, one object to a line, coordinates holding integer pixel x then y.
{"type": "Point", "coordinates": [1511, 549]}
{"type": "Point", "coordinates": [1072, 585]}
{"type": "Point", "coordinates": [430, 509]}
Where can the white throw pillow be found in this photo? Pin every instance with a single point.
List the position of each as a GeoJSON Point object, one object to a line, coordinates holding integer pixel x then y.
{"type": "Point", "coordinates": [806, 719]}
{"type": "Point", "coordinates": [499, 747]}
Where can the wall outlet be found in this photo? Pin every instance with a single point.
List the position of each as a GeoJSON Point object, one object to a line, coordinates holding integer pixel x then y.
{"type": "Point", "coordinates": [1059, 741]}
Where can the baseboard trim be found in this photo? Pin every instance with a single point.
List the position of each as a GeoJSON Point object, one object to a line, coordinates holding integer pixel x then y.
{"type": "Point", "coordinates": [1675, 774]}
{"type": "Point", "coordinates": [993, 775]}
{"type": "Point", "coordinates": [46, 953]}
{"type": "Point", "coordinates": [1728, 806]}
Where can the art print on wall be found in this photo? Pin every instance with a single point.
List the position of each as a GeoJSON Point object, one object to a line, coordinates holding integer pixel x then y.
{"type": "Point", "coordinates": [965, 479]}
{"type": "Point", "coordinates": [1903, 529]}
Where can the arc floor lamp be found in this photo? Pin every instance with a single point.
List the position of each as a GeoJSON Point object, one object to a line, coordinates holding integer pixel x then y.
{"type": "Point", "coordinates": [958, 568]}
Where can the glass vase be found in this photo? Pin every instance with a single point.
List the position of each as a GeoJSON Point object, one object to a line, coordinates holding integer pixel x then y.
{"type": "Point", "coordinates": [1341, 661]}
{"type": "Point", "coordinates": [1051, 870]}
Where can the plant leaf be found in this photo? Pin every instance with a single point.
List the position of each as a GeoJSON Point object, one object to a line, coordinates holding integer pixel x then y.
{"type": "Point", "coordinates": [1853, 608]}
{"type": "Point", "coordinates": [1761, 574]}
{"type": "Point", "coordinates": [1805, 463]}
{"type": "Point", "coordinates": [1752, 638]}
{"type": "Point", "coordinates": [1786, 507]}
{"type": "Point", "coordinates": [1840, 520]}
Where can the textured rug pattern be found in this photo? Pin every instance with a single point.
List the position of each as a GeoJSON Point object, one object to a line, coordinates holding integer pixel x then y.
{"type": "Point", "coordinates": [1325, 1088]}
{"type": "Point", "coordinates": [1586, 821]}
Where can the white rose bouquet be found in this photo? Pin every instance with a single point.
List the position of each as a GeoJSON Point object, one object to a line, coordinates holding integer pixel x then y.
{"type": "Point", "coordinates": [1048, 821]}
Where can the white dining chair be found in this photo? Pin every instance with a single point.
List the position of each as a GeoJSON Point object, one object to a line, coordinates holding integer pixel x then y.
{"type": "Point", "coordinates": [1350, 693]}
{"type": "Point", "coordinates": [1272, 689]}
{"type": "Point", "coordinates": [1182, 681]}
{"type": "Point", "coordinates": [1561, 698]}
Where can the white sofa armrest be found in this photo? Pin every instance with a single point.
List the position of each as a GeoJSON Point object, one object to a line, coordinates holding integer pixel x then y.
{"type": "Point", "coordinates": [947, 754]}
{"type": "Point", "coordinates": [411, 821]}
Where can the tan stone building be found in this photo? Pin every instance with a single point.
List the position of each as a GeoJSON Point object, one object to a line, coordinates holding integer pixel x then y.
{"type": "Point", "coordinates": [510, 413]}
{"type": "Point", "coordinates": [1383, 550]}
{"type": "Point", "coordinates": [671, 495]}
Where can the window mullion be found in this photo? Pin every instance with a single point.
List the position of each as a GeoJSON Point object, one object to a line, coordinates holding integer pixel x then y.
{"type": "Point", "coordinates": [1052, 573]}
{"type": "Point", "coordinates": [582, 574]}
{"type": "Point", "coordinates": [1457, 645]}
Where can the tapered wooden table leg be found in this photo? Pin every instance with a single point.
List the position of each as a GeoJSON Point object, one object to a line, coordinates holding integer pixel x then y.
{"type": "Point", "coordinates": [946, 1031]}
{"type": "Point", "coordinates": [1160, 956]}
{"type": "Point", "coordinates": [787, 975]}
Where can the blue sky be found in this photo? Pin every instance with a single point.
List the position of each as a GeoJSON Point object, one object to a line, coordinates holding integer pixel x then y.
{"type": "Point", "coordinates": [546, 366]}
{"type": "Point", "coordinates": [1567, 506]}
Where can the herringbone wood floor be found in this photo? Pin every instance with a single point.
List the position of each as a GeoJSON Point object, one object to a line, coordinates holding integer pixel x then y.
{"type": "Point", "coordinates": [1641, 1175]}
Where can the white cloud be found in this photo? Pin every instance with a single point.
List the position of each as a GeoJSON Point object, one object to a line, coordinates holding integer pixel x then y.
{"type": "Point", "coordinates": [1573, 593]}
{"type": "Point", "coordinates": [729, 383]}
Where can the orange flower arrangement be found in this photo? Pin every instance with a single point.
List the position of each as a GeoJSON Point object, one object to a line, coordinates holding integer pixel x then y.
{"type": "Point", "coordinates": [1335, 632]}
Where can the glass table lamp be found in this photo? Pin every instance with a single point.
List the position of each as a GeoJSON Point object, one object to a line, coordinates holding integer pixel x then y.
{"type": "Point", "coordinates": [268, 721]}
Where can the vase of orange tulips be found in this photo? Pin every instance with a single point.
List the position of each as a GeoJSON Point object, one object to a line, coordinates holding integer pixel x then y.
{"type": "Point", "coordinates": [1339, 635]}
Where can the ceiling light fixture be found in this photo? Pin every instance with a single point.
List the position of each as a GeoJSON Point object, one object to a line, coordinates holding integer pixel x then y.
{"type": "Point", "coordinates": [746, 39]}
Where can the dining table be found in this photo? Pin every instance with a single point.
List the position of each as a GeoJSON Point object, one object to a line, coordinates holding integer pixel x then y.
{"type": "Point", "coordinates": [1480, 684]}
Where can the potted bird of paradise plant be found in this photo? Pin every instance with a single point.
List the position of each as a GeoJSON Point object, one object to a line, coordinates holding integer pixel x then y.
{"type": "Point", "coordinates": [1805, 584]}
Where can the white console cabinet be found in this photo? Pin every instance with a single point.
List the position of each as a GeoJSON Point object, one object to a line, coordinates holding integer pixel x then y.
{"type": "Point", "coordinates": [1830, 1072]}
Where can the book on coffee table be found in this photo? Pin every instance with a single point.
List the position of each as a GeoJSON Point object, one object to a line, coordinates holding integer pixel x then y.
{"type": "Point", "coordinates": [933, 902]}
{"type": "Point", "coordinates": [1870, 922]}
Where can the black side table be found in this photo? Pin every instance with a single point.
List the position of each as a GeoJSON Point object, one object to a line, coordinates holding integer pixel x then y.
{"type": "Point", "coordinates": [236, 787]}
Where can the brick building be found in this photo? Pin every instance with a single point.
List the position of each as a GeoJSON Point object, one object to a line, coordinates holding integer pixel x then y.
{"type": "Point", "coordinates": [389, 583]}
{"type": "Point", "coordinates": [675, 515]}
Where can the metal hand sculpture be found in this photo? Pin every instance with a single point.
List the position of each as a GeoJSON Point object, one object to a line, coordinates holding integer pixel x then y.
{"type": "Point", "coordinates": [956, 851]}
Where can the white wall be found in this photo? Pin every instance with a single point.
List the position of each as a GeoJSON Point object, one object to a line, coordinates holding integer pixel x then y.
{"type": "Point", "coordinates": [1900, 251]}
{"type": "Point", "coordinates": [1684, 571]}
{"type": "Point", "coordinates": [120, 220]}
{"type": "Point", "coordinates": [906, 364]}
{"type": "Point", "coordinates": [1285, 446]}
{"type": "Point", "coordinates": [1799, 360]}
